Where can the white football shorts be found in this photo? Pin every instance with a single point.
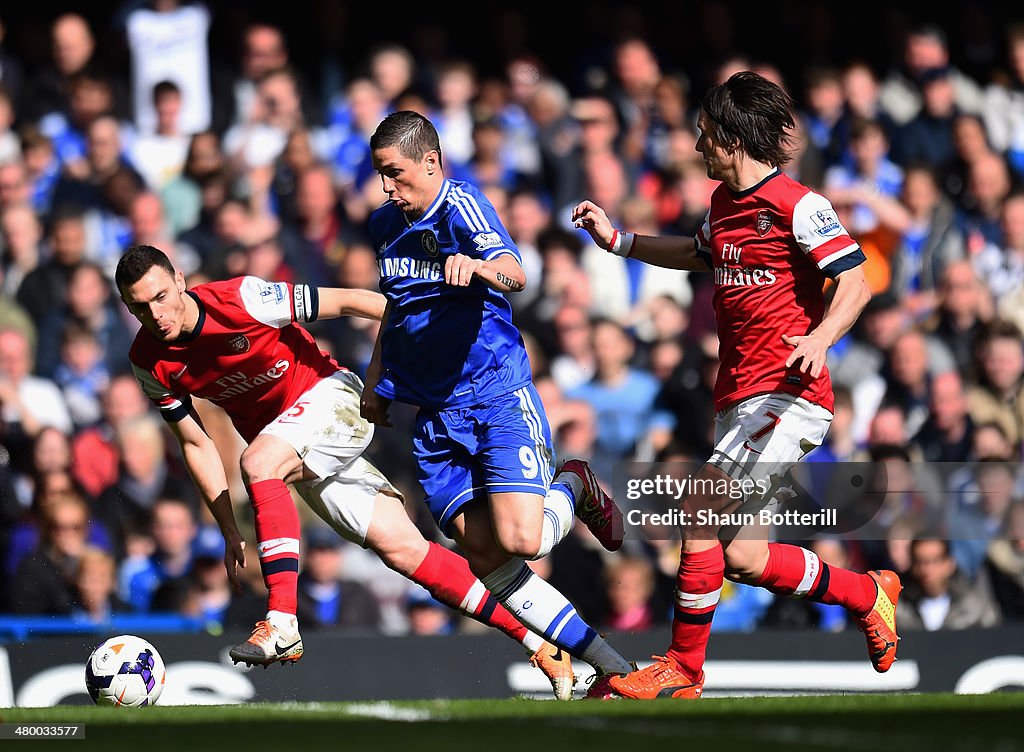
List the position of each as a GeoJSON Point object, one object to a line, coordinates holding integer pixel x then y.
{"type": "Point", "coordinates": [765, 435]}
{"type": "Point", "coordinates": [326, 430]}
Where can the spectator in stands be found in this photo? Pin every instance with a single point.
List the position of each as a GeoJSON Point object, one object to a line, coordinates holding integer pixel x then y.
{"type": "Point", "coordinates": [45, 287]}
{"type": "Point", "coordinates": [427, 615]}
{"type": "Point", "coordinates": [275, 112]}
{"type": "Point", "coordinates": [263, 49]}
{"type": "Point", "coordinates": [455, 87]}
{"type": "Point", "coordinates": [823, 95]}
{"type": "Point", "coordinates": [148, 225]}
{"type": "Point", "coordinates": [990, 440]}
{"type": "Point", "coordinates": [326, 596]}
{"type": "Point", "coordinates": [988, 186]}
{"type": "Point", "coordinates": [948, 433]}
{"type": "Point", "coordinates": [10, 144]}
{"type": "Point", "coordinates": [1004, 103]}
{"type": "Point", "coordinates": [973, 525]}
{"type": "Point", "coordinates": [630, 584]}
{"type": "Point", "coordinates": [1004, 564]}
{"type": "Point", "coordinates": [174, 530]}
{"type": "Point", "coordinates": [144, 476]}
{"type": "Point", "coordinates": [925, 48]}
{"type": "Point", "coordinates": [95, 588]}
{"type": "Point", "coordinates": [686, 394]}
{"type": "Point", "coordinates": [160, 155]}
{"type": "Point", "coordinates": [970, 144]}
{"type": "Point", "coordinates": [1000, 265]}
{"type": "Point", "coordinates": [622, 396]}
{"type": "Point", "coordinates": [15, 189]}
{"type": "Point", "coordinates": [72, 48]}
{"type": "Point", "coordinates": [623, 288]}
{"type": "Point", "coordinates": [42, 583]}
{"type": "Point", "coordinates": [21, 236]}
{"type": "Point", "coordinates": [937, 595]}
{"type": "Point", "coordinates": [557, 136]}
{"type": "Point", "coordinates": [168, 40]}
{"type": "Point", "coordinates": [908, 378]}
{"type": "Point", "coordinates": [574, 364]}
{"type": "Point", "coordinates": [42, 167]}
{"type": "Point", "coordinates": [528, 218]}
{"type": "Point", "coordinates": [393, 69]}
{"type": "Point", "coordinates": [183, 195]}
{"type": "Point", "coordinates": [871, 171]}
{"type": "Point", "coordinates": [929, 240]}
{"type": "Point", "coordinates": [963, 307]}
{"type": "Point", "coordinates": [90, 306]}
{"type": "Point", "coordinates": [928, 136]}
{"type": "Point", "coordinates": [315, 243]}
{"type": "Point", "coordinates": [205, 593]}
{"type": "Point", "coordinates": [27, 402]}
{"type": "Point", "coordinates": [998, 396]}
{"type": "Point", "coordinates": [95, 454]}
{"type": "Point", "coordinates": [81, 373]}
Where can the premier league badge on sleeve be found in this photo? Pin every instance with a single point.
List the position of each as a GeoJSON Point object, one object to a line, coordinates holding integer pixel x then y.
{"type": "Point", "coordinates": [429, 242]}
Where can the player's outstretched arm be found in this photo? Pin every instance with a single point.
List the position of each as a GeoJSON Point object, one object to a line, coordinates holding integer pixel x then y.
{"type": "Point", "coordinates": [343, 301]}
{"type": "Point", "coordinates": [503, 273]}
{"type": "Point", "coordinates": [204, 465]}
{"type": "Point", "coordinates": [851, 295]}
{"type": "Point", "coordinates": [372, 406]}
{"type": "Point", "coordinates": [669, 252]}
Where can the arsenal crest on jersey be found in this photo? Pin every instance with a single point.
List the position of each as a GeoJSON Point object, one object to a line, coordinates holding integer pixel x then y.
{"type": "Point", "coordinates": [239, 343]}
{"type": "Point", "coordinates": [429, 242]}
{"type": "Point", "coordinates": [763, 224]}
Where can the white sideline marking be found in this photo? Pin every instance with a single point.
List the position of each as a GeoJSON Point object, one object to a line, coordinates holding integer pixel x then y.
{"type": "Point", "coordinates": [385, 711]}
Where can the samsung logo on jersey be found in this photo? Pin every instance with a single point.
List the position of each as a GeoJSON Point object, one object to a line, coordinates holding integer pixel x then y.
{"type": "Point", "coordinates": [409, 267]}
{"type": "Point", "coordinates": [826, 222]}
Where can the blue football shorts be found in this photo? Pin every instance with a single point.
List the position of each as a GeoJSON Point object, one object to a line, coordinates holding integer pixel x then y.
{"type": "Point", "coordinates": [465, 453]}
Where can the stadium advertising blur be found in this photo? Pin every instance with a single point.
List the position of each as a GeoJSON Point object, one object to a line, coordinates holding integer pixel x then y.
{"type": "Point", "coordinates": [50, 672]}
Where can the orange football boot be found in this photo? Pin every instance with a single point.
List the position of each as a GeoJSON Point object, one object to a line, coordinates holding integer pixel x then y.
{"type": "Point", "coordinates": [661, 679]}
{"type": "Point", "coordinates": [879, 624]}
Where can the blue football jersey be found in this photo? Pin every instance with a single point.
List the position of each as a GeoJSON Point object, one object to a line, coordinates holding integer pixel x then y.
{"type": "Point", "coordinates": [445, 346]}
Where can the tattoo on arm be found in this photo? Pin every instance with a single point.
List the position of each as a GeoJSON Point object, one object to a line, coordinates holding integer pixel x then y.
{"type": "Point", "coordinates": [510, 283]}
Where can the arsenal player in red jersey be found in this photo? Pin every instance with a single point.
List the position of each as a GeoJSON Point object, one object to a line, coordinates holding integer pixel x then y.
{"type": "Point", "coordinates": [239, 343]}
{"type": "Point", "coordinates": [771, 243]}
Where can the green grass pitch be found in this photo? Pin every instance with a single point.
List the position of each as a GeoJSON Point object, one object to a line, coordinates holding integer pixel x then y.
{"type": "Point", "coordinates": [860, 723]}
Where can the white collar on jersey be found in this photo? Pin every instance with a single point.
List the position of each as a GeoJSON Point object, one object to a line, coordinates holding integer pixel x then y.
{"type": "Point", "coordinates": [437, 202]}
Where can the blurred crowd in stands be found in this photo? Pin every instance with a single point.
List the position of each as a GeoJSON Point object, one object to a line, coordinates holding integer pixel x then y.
{"type": "Point", "coordinates": [248, 169]}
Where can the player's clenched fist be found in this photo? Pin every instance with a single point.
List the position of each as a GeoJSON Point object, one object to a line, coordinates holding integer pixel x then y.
{"type": "Point", "coordinates": [460, 268]}
{"type": "Point", "coordinates": [592, 218]}
{"type": "Point", "coordinates": [374, 408]}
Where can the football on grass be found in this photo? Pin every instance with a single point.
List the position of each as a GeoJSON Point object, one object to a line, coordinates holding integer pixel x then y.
{"type": "Point", "coordinates": [125, 671]}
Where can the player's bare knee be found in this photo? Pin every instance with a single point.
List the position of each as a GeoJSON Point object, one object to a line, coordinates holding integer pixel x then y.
{"type": "Point", "coordinates": [256, 465]}
{"type": "Point", "coordinates": [744, 562]}
{"type": "Point", "coordinates": [520, 542]}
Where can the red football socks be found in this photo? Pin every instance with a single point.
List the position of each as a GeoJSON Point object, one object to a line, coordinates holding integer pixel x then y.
{"type": "Point", "coordinates": [277, 538]}
{"type": "Point", "coordinates": [795, 571]}
{"type": "Point", "coordinates": [448, 578]}
{"type": "Point", "coordinates": [698, 587]}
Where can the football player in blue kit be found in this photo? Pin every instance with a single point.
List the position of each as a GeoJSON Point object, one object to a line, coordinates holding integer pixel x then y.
{"type": "Point", "coordinates": [447, 345]}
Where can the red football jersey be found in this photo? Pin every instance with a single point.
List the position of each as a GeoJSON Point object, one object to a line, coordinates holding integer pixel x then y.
{"type": "Point", "coordinates": [771, 248]}
{"type": "Point", "coordinates": [246, 354]}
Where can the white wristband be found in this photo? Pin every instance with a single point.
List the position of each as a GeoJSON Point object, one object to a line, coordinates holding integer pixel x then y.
{"type": "Point", "coordinates": [622, 243]}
